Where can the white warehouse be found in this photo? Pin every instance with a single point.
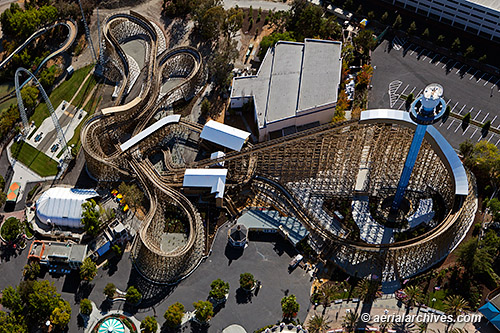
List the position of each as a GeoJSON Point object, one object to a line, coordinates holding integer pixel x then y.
{"type": "Point", "coordinates": [295, 88]}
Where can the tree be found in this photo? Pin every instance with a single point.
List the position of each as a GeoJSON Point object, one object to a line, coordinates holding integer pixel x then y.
{"type": "Point", "coordinates": [132, 195]}
{"type": "Point", "coordinates": [2, 183]}
{"type": "Point", "coordinates": [88, 270]}
{"type": "Point", "coordinates": [412, 28]}
{"type": "Point", "coordinates": [289, 306]}
{"type": "Point", "coordinates": [85, 307]}
{"type": "Point", "coordinates": [47, 77]}
{"type": "Point", "coordinates": [426, 33]}
{"type": "Point", "coordinates": [364, 40]}
{"type": "Point", "coordinates": [11, 299]}
{"type": "Point", "coordinates": [110, 290]}
{"type": "Point", "coordinates": [247, 281]}
{"type": "Point", "coordinates": [342, 105]}
{"type": "Point", "coordinates": [206, 106]}
{"type": "Point", "coordinates": [318, 324]}
{"type": "Point", "coordinates": [270, 40]}
{"type": "Point", "coordinates": [466, 118]}
{"type": "Point", "coordinates": [455, 46]}
{"type": "Point", "coordinates": [350, 321]}
{"type": "Point", "coordinates": [365, 76]}
{"type": "Point", "coordinates": [133, 295]}
{"type": "Point", "coordinates": [11, 229]}
{"type": "Point", "coordinates": [440, 39]}
{"type": "Point", "coordinates": [475, 260]}
{"type": "Point", "coordinates": [61, 314]}
{"type": "Point", "coordinates": [368, 290]}
{"type": "Point", "coordinates": [384, 17]}
{"type": "Point", "coordinates": [469, 52]}
{"type": "Point", "coordinates": [487, 163]}
{"type": "Point", "coordinates": [149, 325]}
{"type": "Point", "coordinates": [31, 270]}
{"type": "Point", "coordinates": [3, 198]}
{"type": "Point", "coordinates": [414, 294]}
{"type": "Point", "coordinates": [348, 53]}
{"type": "Point", "coordinates": [174, 314]}
{"type": "Point", "coordinates": [454, 305]}
{"type": "Point", "coordinates": [91, 217]}
{"type": "Point", "coordinates": [209, 18]}
{"type": "Point", "coordinates": [467, 151]}
{"type": "Point", "coordinates": [482, 59]}
{"type": "Point", "coordinates": [371, 15]}
{"type": "Point", "coordinates": [233, 22]}
{"type": "Point", "coordinates": [219, 289]}
{"type": "Point", "coordinates": [397, 22]}
{"type": "Point", "coordinates": [204, 310]}
{"type": "Point", "coordinates": [221, 64]}
{"type": "Point", "coordinates": [486, 126]}
{"type": "Point", "coordinates": [12, 323]}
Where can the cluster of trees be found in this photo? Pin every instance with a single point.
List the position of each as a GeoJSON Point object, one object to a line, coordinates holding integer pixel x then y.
{"type": "Point", "coordinates": [31, 304]}
{"type": "Point", "coordinates": [11, 229]}
{"type": "Point", "coordinates": [484, 160]}
{"type": "Point", "coordinates": [132, 194]}
{"type": "Point", "coordinates": [19, 24]}
{"type": "Point", "coordinates": [303, 20]}
{"type": "Point", "coordinates": [94, 216]}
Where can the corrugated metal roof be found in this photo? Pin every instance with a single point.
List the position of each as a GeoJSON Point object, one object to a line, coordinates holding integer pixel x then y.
{"type": "Point", "coordinates": [443, 148]}
{"type": "Point", "coordinates": [149, 130]}
{"type": "Point", "coordinates": [224, 135]}
{"type": "Point", "coordinates": [213, 178]}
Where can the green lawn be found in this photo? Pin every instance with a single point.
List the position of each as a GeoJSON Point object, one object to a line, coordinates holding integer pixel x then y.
{"type": "Point", "coordinates": [4, 90]}
{"type": "Point", "coordinates": [82, 95]}
{"type": "Point", "coordinates": [439, 295]}
{"type": "Point", "coordinates": [65, 91]}
{"type": "Point", "coordinates": [34, 159]}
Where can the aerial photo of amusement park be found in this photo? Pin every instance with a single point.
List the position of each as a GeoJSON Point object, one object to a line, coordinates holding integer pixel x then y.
{"type": "Point", "coordinates": [236, 166]}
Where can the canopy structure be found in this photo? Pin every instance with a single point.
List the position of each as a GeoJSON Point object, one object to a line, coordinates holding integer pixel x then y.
{"type": "Point", "coordinates": [63, 206]}
{"type": "Point", "coordinates": [111, 325]}
{"type": "Point", "coordinates": [13, 192]}
{"type": "Point", "coordinates": [215, 179]}
{"type": "Point", "coordinates": [489, 311]}
{"type": "Point", "coordinates": [224, 135]}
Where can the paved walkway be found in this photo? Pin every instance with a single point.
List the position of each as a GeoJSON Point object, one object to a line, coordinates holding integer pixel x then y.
{"type": "Point", "coordinates": [387, 305]}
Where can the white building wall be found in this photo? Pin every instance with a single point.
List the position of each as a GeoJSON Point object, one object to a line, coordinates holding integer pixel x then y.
{"type": "Point", "coordinates": [462, 14]}
{"type": "Point", "coordinates": [305, 117]}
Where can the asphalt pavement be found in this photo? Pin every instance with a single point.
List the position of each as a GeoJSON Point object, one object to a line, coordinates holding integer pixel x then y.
{"type": "Point", "coordinates": [402, 68]}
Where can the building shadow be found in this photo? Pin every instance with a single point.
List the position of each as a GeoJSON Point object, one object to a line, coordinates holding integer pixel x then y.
{"type": "Point", "coordinates": [233, 253]}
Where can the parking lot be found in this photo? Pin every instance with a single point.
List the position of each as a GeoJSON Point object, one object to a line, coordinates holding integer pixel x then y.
{"type": "Point", "coordinates": [402, 68]}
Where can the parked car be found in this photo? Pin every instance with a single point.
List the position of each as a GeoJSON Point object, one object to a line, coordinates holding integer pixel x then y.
{"type": "Point", "coordinates": [54, 148]}
{"type": "Point", "coordinates": [38, 137]}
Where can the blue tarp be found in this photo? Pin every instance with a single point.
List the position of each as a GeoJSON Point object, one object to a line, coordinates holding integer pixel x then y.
{"type": "Point", "coordinates": [489, 311]}
{"type": "Point", "coordinates": [103, 249]}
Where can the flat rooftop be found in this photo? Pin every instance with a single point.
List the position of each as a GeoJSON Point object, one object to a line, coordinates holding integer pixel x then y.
{"type": "Point", "coordinates": [66, 251]}
{"type": "Point", "coordinates": [293, 77]}
{"type": "Point", "coordinates": [271, 219]}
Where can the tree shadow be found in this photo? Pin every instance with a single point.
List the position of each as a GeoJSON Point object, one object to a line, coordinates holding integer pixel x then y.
{"type": "Point", "coordinates": [106, 305]}
{"type": "Point", "coordinates": [242, 296]}
{"type": "Point", "coordinates": [83, 291]}
{"type": "Point", "coordinates": [199, 328]}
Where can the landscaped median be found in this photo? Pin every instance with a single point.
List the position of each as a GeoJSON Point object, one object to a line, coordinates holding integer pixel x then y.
{"type": "Point", "coordinates": [34, 159]}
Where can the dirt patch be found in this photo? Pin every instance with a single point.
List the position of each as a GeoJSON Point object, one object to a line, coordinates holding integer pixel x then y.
{"type": "Point", "coordinates": [252, 34]}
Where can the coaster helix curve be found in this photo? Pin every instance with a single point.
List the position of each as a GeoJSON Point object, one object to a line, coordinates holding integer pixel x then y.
{"type": "Point", "coordinates": [101, 137]}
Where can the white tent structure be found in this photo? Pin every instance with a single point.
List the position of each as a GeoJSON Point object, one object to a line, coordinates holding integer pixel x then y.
{"type": "Point", "coordinates": [224, 135]}
{"type": "Point", "coordinates": [62, 206]}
